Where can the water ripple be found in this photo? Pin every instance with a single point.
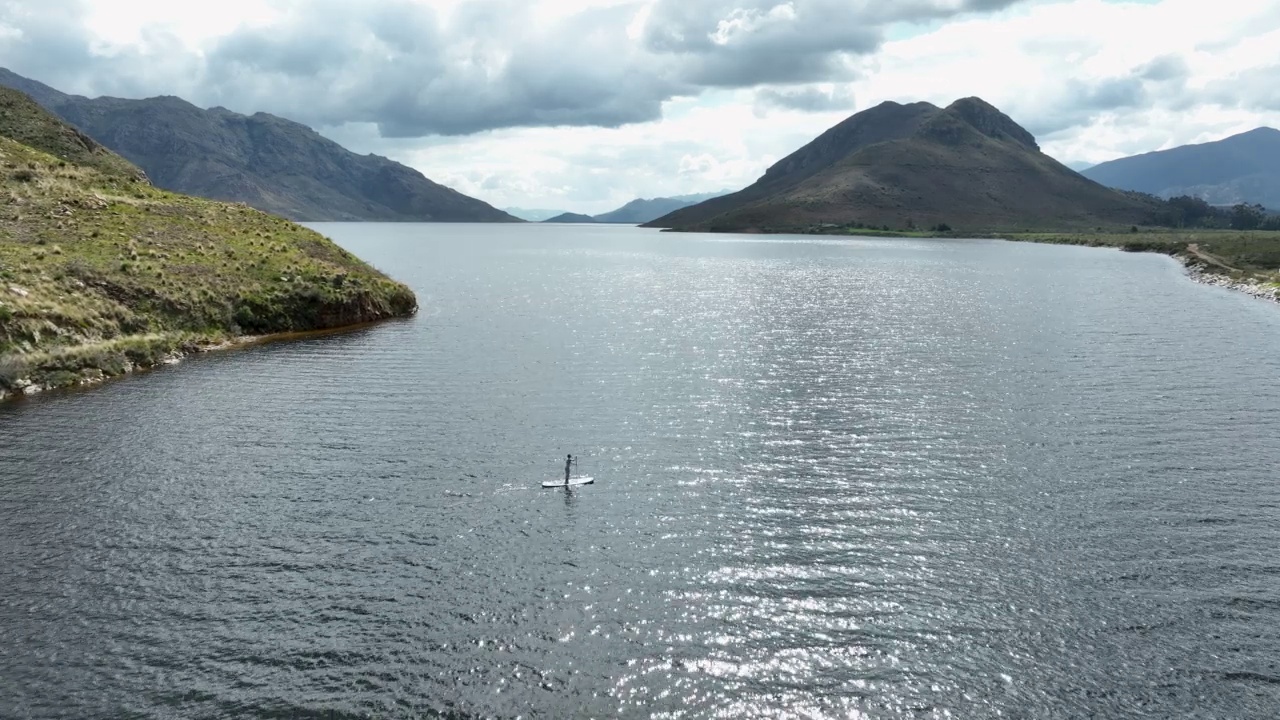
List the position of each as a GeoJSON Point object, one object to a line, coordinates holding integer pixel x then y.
{"type": "Point", "coordinates": [838, 478]}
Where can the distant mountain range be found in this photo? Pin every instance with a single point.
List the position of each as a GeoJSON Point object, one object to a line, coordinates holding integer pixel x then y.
{"type": "Point", "coordinates": [531, 214]}
{"type": "Point", "coordinates": [1243, 168]}
{"type": "Point", "coordinates": [643, 211]}
{"type": "Point", "coordinates": [570, 218]}
{"type": "Point", "coordinates": [635, 212]}
{"type": "Point", "coordinates": [966, 167]}
{"type": "Point", "coordinates": [264, 161]}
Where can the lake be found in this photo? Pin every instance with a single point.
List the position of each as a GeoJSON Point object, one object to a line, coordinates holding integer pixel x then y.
{"type": "Point", "coordinates": [835, 478]}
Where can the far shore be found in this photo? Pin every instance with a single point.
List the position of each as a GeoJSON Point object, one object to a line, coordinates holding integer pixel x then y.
{"type": "Point", "coordinates": [1247, 261]}
{"type": "Point", "coordinates": [1244, 261]}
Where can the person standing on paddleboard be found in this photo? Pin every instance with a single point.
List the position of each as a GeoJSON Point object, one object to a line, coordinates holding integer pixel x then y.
{"type": "Point", "coordinates": [568, 461]}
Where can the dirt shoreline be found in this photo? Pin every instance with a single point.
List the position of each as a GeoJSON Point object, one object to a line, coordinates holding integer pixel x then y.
{"type": "Point", "coordinates": [26, 388]}
{"type": "Point", "coordinates": [1199, 272]}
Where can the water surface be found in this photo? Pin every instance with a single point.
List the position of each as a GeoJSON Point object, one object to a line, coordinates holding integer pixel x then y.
{"type": "Point", "coordinates": [837, 478]}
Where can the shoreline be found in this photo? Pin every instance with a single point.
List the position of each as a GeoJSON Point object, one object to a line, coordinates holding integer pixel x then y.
{"type": "Point", "coordinates": [25, 388]}
{"type": "Point", "coordinates": [1198, 267]}
{"type": "Point", "coordinates": [1198, 272]}
{"type": "Point", "coordinates": [1184, 246]}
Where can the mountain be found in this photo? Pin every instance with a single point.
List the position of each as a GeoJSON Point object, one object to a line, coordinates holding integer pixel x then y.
{"type": "Point", "coordinates": [1243, 168]}
{"type": "Point", "coordinates": [633, 213]}
{"type": "Point", "coordinates": [968, 166]}
{"type": "Point", "coordinates": [532, 214]}
{"type": "Point", "coordinates": [103, 272]}
{"type": "Point", "coordinates": [645, 210]}
{"type": "Point", "coordinates": [570, 218]}
{"type": "Point", "coordinates": [270, 163]}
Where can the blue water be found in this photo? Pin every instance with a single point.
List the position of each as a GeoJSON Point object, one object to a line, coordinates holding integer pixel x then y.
{"type": "Point", "coordinates": [836, 478]}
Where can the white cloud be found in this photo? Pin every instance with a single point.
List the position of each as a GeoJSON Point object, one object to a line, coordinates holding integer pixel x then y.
{"type": "Point", "coordinates": [122, 24]}
{"type": "Point", "coordinates": [593, 170]}
{"type": "Point", "coordinates": [1072, 70]}
{"type": "Point", "coordinates": [669, 96]}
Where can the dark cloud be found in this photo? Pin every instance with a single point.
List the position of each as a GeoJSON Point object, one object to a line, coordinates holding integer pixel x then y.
{"type": "Point", "coordinates": [807, 99]}
{"type": "Point", "coordinates": [307, 51]}
{"type": "Point", "coordinates": [490, 64]}
{"type": "Point", "coordinates": [749, 42]}
{"type": "Point", "coordinates": [1108, 93]}
{"type": "Point", "coordinates": [1165, 68]}
{"type": "Point", "coordinates": [745, 43]}
{"type": "Point", "coordinates": [45, 43]}
{"type": "Point", "coordinates": [41, 41]}
{"type": "Point", "coordinates": [393, 64]}
{"type": "Point", "coordinates": [1079, 102]}
{"type": "Point", "coordinates": [1253, 89]}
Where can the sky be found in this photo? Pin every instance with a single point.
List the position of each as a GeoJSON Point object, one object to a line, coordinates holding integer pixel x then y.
{"type": "Point", "coordinates": [583, 105]}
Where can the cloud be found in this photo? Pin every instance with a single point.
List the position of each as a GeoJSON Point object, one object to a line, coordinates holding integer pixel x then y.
{"type": "Point", "coordinates": [1078, 102]}
{"type": "Point", "coordinates": [398, 65]}
{"type": "Point", "coordinates": [585, 104]}
{"type": "Point", "coordinates": [1165, 68]}
{"type": "Point", "coordinates": [723, 44]}
{"type": "Point", "coordinates": [745, 43]}
{"type": "Point", "coordinates": [416, 68]}
{"type": "Point", "coordinates": [812, 98]}
{"type": "Point", "coordinates": [1252, 89]}
{"type": "Point", "coordinates": [1093, 79]}
{"type": "Point", "coordinates": [38, 40]}
{"type": "Point", "coordinates": [697, 148]}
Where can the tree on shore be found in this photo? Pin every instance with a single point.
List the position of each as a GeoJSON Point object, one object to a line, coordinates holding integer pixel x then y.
{"type": "Point", "coordinates": [1247, 217]}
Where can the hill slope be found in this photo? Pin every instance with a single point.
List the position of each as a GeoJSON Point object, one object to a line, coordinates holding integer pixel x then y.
{"type": "Point", "coordinates": [1243, 168]}
{"type": "Point", "coordinates": [968, 166]}
{"type": "Point", "coordinates": [25, 122]}
{"type": "Point", "coordinates": [633, 213]}
{"type": "Point", "coordinates": [570, 218]}
{"type": "Point", "coordinates": [101, 272]}
{"type": "Point", "coordinates": [267, 162]}
{"type": "Point", "coordinates": [646, 210]}
{"type": "Point", "coordinates": [532, 214]}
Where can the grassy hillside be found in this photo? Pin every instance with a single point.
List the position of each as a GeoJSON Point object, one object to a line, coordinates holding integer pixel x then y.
{"type": "Point", "coordinates": [100, 272]}
{"type": "Point", "coordinates": [24, 121]}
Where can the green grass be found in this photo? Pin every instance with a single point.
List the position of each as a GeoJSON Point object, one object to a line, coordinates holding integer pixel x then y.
{"type": "Point", "coordinates": [1245, 254]}
{"type": "Point", "coordinates": [1168, 244]}
{"type": "Point", "coordinates": [871, 232]}
{"type": "Point", "coordinates": [100, 271]}
{"type": "Point", "coordinates": [24, 121]}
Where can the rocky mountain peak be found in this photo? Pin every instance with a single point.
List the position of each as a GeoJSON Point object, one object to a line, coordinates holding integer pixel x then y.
{"type": "Point", "coordinates": [988, 120]}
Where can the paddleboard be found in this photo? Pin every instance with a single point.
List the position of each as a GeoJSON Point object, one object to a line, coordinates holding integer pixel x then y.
{"type": "Point", "coordinates": [574, 481]}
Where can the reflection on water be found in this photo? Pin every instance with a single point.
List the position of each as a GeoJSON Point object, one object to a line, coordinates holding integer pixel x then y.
{"type": "Point", "coordinates": [834, 478]}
